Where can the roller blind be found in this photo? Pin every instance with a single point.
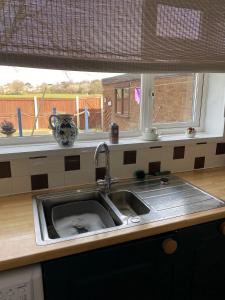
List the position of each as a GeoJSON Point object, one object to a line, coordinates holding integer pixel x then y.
{"type": "Point", "coordinates": [114, 35]}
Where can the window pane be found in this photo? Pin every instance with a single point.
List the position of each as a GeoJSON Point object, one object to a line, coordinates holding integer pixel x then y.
{"type": "Point", "coordinates": [29, 96]}
{"type": "Point", "coordinates": [118, 101]}
{"type": "Point", "coordinates": [126, 101]}
{"type": "Point", "coordinates": [174, 96]}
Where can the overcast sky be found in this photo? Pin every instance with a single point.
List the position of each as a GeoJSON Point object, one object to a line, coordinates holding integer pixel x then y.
{"type": "Point", "coordinates": [38, 76]}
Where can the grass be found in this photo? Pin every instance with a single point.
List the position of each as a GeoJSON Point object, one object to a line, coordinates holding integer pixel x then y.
{"type": "Point", "coordinates": [58, 96]}
{"type": "Point", "coordinates": [44, 131]}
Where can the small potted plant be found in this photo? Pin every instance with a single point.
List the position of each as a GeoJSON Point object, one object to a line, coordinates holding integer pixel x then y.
{"type": "Point", "coordinates": [7, 128]}
{"type": "Point", "coordinates": [190, 132]}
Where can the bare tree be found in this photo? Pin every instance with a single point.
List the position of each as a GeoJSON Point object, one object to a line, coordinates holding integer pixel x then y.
{"type": "Point", "coordinates": [15, 87]}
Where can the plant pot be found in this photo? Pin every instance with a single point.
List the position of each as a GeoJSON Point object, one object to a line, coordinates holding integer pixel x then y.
{"type": "Point", "coordinates": [8, 133]}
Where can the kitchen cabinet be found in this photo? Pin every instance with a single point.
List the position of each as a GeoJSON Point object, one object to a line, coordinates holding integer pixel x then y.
{"type": "Point", "coordinates": [134, 270]}
{"type": "Point", "coordinates": [185, 264]}
{"type": "Point", "coordinates": [200, 262]}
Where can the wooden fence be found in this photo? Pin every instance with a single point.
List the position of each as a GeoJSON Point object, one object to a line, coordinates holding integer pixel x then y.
{"type": "Point", "coordinates": [35, 107]}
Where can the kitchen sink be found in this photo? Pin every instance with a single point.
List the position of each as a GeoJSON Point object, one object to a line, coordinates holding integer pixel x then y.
{"type": "Point", "coordinates": [65, 215]}
{"type": "Point", "coordinates": [79, 217]}
{"type": "Point", "coordinates": [128, 203]}
{"type": "Point", "coordinates": [80, 213]}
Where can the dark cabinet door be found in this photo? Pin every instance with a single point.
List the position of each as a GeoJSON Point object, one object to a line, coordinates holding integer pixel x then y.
{"type": "Point", "coordinates": [134, 270]}
{"type": "Point", "coordinates": [200, 266]}
{"type": "Point", "coordinates": [208, 268]}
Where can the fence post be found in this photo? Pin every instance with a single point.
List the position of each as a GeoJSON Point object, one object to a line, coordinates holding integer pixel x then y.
{"type": "Point", "coordinates": [77, 111]}
{"type": "Point", "coordinates": [102, 114]}
{"type": "Point", "coordinates": [54, 111]}
{"type": "Point", "coordinates": [19, 117]}
{"type": "Point", "coordinates": [36, 113]}
{"type": "Point", "coordinates": [86, 118]}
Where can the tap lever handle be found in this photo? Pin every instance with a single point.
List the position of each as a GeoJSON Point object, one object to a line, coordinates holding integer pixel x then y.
{"type": "Point", "coordinates": [114, 180]}
{"type": "Point", "coordinates": [101, 182]}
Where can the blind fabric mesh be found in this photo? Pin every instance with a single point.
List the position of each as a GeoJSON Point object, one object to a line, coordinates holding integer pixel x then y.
{"type": "Point", "coordinates": [114, 35]}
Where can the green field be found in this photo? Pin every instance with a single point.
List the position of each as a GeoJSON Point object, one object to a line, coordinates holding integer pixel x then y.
{"type": "Point", "coordinates": [58, 96]}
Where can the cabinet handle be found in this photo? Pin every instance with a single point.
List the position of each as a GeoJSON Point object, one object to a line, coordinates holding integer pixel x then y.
{"type": "Point", "coordinates": [222, 228]}
{"type": "Point", "coordinates": [169, 246]}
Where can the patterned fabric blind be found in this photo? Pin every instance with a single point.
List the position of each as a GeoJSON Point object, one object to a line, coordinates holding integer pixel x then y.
{"type": "Point", "coordinates": [114, 35]}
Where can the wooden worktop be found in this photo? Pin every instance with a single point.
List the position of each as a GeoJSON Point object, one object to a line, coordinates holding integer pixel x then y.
{"type": "Point", "coordinates": [17, 237]}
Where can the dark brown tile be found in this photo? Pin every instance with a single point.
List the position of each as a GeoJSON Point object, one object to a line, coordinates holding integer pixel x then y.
{"type": "Point", "coordinates": [129, 157]}
{"type": "Point", "coordinates": [39, 181]}
{"type": "Point", "coordinates": [100, 173]}
{"type": "Point", "coordinates": [5, 169]}
{"type": "Point", "coordinates": [199, 162]}
{"type": "Point", "coordinates": [178, 152]}
{"type": "Point", "coordinates": [220, 148]}
{"type": "Point", "coordinates": [155, 147]}
{"type": "Point", "coordinates": [37, 157]}
{"type": "Point", "coordinates": [154, 167]}
{"type": "Point", "coordinates": [72, 162]}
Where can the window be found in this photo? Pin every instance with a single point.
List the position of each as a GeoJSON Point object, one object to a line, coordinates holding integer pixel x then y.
{"type": "Point", "coordinates": [122, 101]}
{"type": "Point", "coordinates": [29, 96]}
{"type": "Point", "coordinates": [175, 100]}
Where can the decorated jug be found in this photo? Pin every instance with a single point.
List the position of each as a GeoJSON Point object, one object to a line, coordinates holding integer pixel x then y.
{"type": "Point", "coordinates": [64, 129]}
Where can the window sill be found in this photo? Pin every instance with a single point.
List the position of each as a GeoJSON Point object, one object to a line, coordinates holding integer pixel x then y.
{"type": "Point", "coordinates": [122, 116]}
{"type": "Point", "coordinates": [46, 149]}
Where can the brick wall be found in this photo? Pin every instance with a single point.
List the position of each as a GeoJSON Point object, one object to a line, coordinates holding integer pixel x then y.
{"type": "Point", "coordinates": [125, 123]}
{"type": "Point", "coordinates": [173, 101]}
{"type": "Point", "coordinates": [173, 98]}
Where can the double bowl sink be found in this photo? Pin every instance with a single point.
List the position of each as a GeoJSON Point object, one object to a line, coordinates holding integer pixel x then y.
{"type": "Point", "coordinates": [81, 213]}
{"type": "Point", "coordinates": [75, 214]}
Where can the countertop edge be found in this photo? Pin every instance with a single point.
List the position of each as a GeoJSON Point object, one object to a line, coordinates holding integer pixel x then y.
{"type": "Point", "coordinates": [154, 229]}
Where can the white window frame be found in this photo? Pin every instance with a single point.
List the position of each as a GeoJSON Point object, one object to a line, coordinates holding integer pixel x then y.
{"type": "Point", "coordinates": [146, 113]}
{"type": "Point", "coordinates": [147, 89]}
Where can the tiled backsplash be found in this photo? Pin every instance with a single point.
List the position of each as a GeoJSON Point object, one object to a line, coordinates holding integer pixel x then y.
{"type": "Point", "coordinates": [36, 173]}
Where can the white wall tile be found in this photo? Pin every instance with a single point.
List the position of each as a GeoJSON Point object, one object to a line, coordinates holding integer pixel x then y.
{"type": "Point", "coordinates": [20, 167]}
{"type": "Point", "coordinates": [204, 149]}
{"type": "Point", "coordinates": [79, 177]}
{"type": "Point", "coordinates": [21, 184]}
{"type": "Point", "coordinates": [38, 165]}
{"type": "Point", "coordinates": [116, 164]}
{"type": "Point", "coordinates": [6, 187]}
{"type": "Point", "coordinates": [56, 179]}
{"type": "Point", "coordinates": [55, 164]}
{"type": "Point", "coordinates": [87, 161]}
{"type": "Point", "coordinates": [215, 161]}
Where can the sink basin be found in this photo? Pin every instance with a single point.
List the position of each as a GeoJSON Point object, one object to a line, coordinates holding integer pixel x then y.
{"type": "Point", "coordinates": [128, 203]}
{"type": "Point", "coordinates": [80, 217]}
{"type": "Point", "coordinates": [64, 215]}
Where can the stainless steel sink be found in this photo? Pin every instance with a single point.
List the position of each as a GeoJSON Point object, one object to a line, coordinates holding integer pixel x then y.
{"type": "Point", "coordinates": [80, 217]}
{"type": "Point", "coordinates": [81, 213]}
{"type": "Point", "coordinates": [128, 203]}
{"type": "Point", "coordinates": [64, 215]}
